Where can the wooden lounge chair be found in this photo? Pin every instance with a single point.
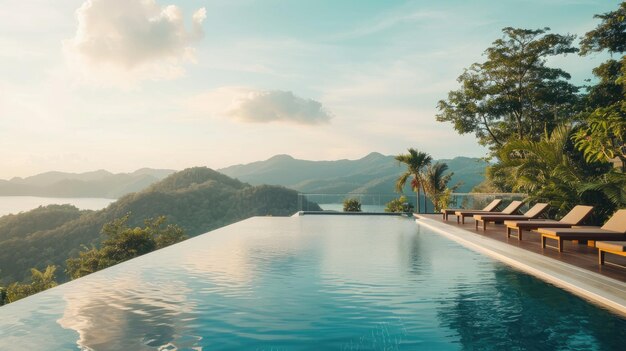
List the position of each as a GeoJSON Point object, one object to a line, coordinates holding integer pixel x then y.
{"type": "Point", "coordinates": [492, 206]}
{"type": "Point", "coordinates": [510, 209]}
{"type": "Point", "coordinates": [532, 213]}
{"type": "Point", "coordinates": [572, 218]}
{"type": "Point", "coordinates": [613, 230]}
{"type": "Point", "coordinates": [613, 247]}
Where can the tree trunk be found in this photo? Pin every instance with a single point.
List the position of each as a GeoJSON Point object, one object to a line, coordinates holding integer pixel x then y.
{"type": "Point", "coordinates": [417, 203]}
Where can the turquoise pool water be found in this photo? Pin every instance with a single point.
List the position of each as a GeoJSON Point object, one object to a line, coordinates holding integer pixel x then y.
{"type": "Point", "coordinates": [310, 283]}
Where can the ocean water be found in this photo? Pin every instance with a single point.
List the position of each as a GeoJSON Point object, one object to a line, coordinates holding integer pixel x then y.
{"type": "Point", "coordinates": [310, 283]}
{"type": "Point", "coordinates": [17, 204]}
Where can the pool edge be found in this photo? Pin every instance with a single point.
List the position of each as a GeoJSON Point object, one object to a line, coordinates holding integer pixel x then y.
{"type": "Point", "coordinates": [604, 291]}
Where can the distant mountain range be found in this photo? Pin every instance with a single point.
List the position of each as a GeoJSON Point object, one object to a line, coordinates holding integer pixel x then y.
{"type": "Point", "coordinates": [99, 183]}
{"type": "Point", "coordinates": [374, 173]}
{"type": "Point", "coordinates": [197, 199]}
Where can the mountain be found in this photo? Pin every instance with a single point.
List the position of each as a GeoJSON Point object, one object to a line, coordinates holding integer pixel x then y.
{"type": "Point", "coordinates": [374, 173]}
{"type": "Point", "coordinates": [98, 183]}
{"type": "Point", "coordinates": [196, 199]}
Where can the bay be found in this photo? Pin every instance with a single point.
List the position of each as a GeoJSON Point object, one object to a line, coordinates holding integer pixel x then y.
{"type": "Point", "coordinates": [17, 204]}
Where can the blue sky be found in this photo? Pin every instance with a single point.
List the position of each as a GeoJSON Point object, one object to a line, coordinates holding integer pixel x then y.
{"type": "Point", "coordinates": [124, 84]}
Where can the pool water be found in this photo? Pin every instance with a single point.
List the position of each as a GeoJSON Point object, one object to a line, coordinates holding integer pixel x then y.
{"type": "Point", "coordinates": [310, 283]}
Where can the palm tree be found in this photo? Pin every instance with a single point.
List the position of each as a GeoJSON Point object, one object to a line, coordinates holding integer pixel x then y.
{"type": "Point", "coordinates": [436, 183]}
{"type": "Point", "coordinates": [415, 162]}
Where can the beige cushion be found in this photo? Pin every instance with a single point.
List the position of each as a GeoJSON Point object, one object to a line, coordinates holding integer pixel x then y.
{"type": "Point", "coordinates": [536, 210]}
{"type": "Point", "coordinates": [617, 222]}
{"type": "Point", "coordinates": [512, 207]}
{"type": "Point", "coordinates": [612, 245]}
{"type": "Point", "coordinates": [536, 224]}
{"type": "Point", "coordinates": [575, 231]}
{"type": "Point", "coordinates": [577, 214]}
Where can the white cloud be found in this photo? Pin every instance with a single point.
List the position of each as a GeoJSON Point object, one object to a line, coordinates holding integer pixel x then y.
{"type": "Point", "coordinates": [131, 40]}
{"type": "Point", "coordinates": [257, 106]}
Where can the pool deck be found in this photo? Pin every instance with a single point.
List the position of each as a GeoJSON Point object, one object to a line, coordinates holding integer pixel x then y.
{"type": "Point", "coordinates": [575, 269]}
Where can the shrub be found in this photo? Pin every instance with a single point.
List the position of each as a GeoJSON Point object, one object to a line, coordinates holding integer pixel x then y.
{"type": "Point", "coordinates": [351, 205]}
{"type": "Point", "coordinates": [399, 205]}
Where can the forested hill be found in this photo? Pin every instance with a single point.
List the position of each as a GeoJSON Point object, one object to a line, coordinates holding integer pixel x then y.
{"type": "Point", "coordinates": [196, 199]}
{"type": "Point", "coordinates": [89, 184]}
{"type": "Point", "coordinates": [374, 173]}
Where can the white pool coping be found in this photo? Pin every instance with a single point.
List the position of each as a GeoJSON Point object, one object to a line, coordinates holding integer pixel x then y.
{"type": "Point", "coordinates": [607, 292]}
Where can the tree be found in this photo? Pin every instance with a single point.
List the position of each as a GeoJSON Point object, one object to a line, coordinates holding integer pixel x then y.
{"type": "Point", "coordinates": [415, 162]}
{"type": "Point", "coordinates": [610, 34]}
{"type": "Point", "coordinates": [124, 243]}
{"type": "Point", "coordinates": [602, 137]}
{"type": "Point", "coordinates": [436, 184]}
{"type": "Point", "coordinates": [513, 94]}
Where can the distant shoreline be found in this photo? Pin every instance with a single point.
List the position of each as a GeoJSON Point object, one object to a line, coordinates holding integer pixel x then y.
{"type": "Point", "coordinates": [18, 203]}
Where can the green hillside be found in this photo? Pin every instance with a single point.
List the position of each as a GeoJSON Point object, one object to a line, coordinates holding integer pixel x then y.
{"type": "Point", "coordinates": [374, 173]}
{"type": "Point", "coordinates": [196, 199]}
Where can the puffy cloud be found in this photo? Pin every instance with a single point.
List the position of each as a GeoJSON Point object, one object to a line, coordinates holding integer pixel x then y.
{"type": "Point", "coordinates": [135, 39]}
{"type": "Point", "coordinates": [256, 106]}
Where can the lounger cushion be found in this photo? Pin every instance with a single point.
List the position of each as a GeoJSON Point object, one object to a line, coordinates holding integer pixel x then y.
{"type": "Point", "coordinates": [488, 217]}
{"type": "Point", "coordinates": [577, 214]}
{"type": "Point", "coordinates": [612, 245]}
{"type": "Point", "coordinates": [489, 208]}
{"type": "Point", "coordinates": [470, 212]}
{"type": "Point", "coordinates": [617, 222]}
{"type": "Point", "coordinates": [512, 207]}
{"type": "Point", "coordinates": [586, 233]}
{"type": "Point", "coordinates": [536, 224]}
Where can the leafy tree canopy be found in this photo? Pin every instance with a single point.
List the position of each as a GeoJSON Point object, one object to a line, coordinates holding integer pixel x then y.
{"type": "Point", "coordinates": [513, 94]}
{"type": "Point", "coordinates": [609, 35]}
{"type": "Point", "coordinates": [602, 137]}
{"type": "Point", "coordinates": [124, 243]}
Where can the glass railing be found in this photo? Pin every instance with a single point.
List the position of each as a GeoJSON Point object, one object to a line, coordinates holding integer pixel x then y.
{"type": "Point", "coordinates": [376, 203]}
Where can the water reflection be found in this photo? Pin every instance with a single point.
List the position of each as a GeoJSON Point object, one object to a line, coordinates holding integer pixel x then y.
{"type": "Point", "coordinates": [129, 313]}
{"type": "Point", "coordinates": [515, 311]}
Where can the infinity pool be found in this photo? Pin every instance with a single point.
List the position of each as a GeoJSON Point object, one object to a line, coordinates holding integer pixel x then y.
{"type": "Point", "coordinates": [310, 283]}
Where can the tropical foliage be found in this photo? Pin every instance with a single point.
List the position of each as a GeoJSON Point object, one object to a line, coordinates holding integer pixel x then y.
{"type": "Point", "coordinates": [40, 281]}
{"type": "Point", "coordinates": [552, 140]}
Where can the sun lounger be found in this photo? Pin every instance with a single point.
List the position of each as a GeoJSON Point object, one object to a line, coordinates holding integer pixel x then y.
{"type": "Point", "coordinates": [493, 205]}
{"type": "Point", "coordinates": [613, 247]}
{"type": "Point", "coordinates": [510, 209]}
{"type": "Point", "coordinates": [572, 218]}
{"type": "Point", "coordinates": [613, 230]}
{"type": "Point", "coordinates": [532, 213]}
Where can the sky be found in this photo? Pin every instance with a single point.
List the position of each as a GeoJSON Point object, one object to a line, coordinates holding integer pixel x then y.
{"type": "Point", "coordinates": [125, 84]}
